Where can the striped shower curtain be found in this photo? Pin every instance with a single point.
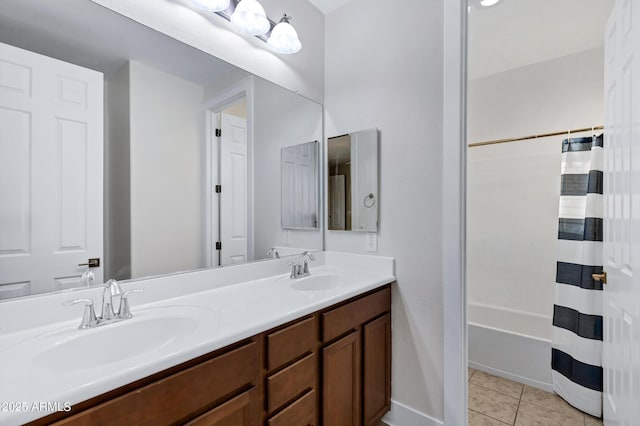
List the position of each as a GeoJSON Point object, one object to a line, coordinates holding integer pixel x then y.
{"type": "Point", "coordinates": [576, 358]}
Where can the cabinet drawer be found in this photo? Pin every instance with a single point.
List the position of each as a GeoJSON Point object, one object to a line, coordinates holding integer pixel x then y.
{"type": "Point", "coordinates": [285, 385]}
{"type": "Point", "coordinates": [238, 411]}
{"type": "Point", "coordinates": [291, 342]}
{"type": "Point", "coordinates": [301, 413]}
{"type": "Point", "coordinates": [350, 316]}
{"type": "Point", "coordinates": [177, 397]}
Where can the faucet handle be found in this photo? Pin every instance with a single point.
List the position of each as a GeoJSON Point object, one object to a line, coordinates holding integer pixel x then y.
{"type": "Point", "coordinates": [124, 311]}
{"type": "Point", "coordinates": [89, 316]}
{"type": "Point", "coordinates": [273, 253]}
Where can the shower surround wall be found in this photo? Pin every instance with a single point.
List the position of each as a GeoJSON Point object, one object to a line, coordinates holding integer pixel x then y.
{"type": "Point", "coordinates": [513, 192]}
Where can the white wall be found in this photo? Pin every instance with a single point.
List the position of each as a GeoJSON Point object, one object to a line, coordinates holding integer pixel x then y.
{"type": "Point", "coordinates": [301, 72]}
{"type": "Point", "coordinates": [514, 188]}
{"type": "Point", "coordinates": [166, 166]}
{"type": "Point", "coordinates": [117, 226]}
{"type": "Point", "coordinates": [385, 70]}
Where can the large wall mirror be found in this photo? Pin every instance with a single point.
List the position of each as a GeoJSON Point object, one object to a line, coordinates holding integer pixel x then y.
{"type": "Point", "coordinates": [352, 169]}
{"type": "Point", "coordinates": [151, 157]}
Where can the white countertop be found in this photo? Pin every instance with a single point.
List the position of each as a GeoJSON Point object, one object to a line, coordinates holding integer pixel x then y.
{"type": "Point", "coordinates": [233, 303]}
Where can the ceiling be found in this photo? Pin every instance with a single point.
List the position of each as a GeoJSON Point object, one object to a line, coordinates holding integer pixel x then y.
{"type": "Point", "coordinates": [515, 33]}
{"type": "Point", "coordinates": [326, 6]}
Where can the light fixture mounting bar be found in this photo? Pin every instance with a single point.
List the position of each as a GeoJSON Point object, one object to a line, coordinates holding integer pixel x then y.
{"type": "Point", "coordinates": [226, 14]}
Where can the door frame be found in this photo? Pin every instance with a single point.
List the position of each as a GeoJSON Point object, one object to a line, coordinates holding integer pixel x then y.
{"type": "Point", "coordinates": [211, 107]}
{"type": "Point", "coordinates": [454, 182]}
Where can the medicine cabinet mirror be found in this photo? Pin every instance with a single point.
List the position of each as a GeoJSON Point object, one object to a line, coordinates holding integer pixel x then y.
{"type": "Point", "coordinates": [352, 170]}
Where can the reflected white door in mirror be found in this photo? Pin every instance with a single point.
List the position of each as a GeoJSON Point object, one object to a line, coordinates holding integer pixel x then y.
{"type": "Point", "coordinates": [51, 144]}
{"type": "Point", "coordinates": [233, 197]}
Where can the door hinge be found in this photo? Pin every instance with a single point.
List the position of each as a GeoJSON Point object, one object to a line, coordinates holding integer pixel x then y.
{"type": "Point", "coordinates": [218, 245]}
{"type": "Point", "coordinates": [218, 133]}
{"type": "Point", "coordinates": [218, 189]}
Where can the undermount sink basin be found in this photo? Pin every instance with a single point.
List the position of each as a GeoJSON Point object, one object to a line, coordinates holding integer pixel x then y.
{"type": "Point", "coordinates": [318, 282]}
{"type": "Point", "coordinates": [149, 330]}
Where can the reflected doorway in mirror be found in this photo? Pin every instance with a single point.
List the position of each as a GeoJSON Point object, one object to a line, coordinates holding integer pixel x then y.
{"type": "Point", "coordinates": [352, 170]}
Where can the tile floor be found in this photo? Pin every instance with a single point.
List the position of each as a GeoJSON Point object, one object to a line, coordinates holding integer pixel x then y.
{"type": "Point", "coordinates": [494, 401]}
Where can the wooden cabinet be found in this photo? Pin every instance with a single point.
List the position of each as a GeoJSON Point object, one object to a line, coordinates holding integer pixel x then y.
{"type": "Point", "coordinates": [292, 374]}
{"type": "Point", "coordinates": [341, 382]}
{"type": "Point", "coordinates": [184, 395]}
{"type": "Point", "coordinates": [329, 368]}
{"type": "Point", "coordinates": [239, 411]}
{"type": "Point", "coordinates": [377, 369]}
{"type": "Point", "coordinates": [303, 411]}
{"type": "Point", "coordinates": [356, 362]}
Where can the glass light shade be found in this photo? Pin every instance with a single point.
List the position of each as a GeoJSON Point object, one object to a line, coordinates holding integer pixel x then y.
{"type": "Point", "coordinates": [284, 38]}
{"type": "Point", "coordinates": [212, 5]}
{"type": "Point", "coordinates": [487, 3]}
{"type": "Point", "coordinates": [249, 18]}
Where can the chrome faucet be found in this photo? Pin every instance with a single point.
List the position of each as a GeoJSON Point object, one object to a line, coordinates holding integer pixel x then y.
{"type": "Point", "coordinates": [300, 268]}
{"type": "Point", "coordinates": [111, 288]}
{"type": "Point", "coordinates": [273, 253]}
{"type": "Point", "coordinates": [108, 315]}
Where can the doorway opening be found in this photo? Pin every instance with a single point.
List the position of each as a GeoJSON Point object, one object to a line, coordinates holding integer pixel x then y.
{"type": "Point", "coordinates": [535, 86]}
{"type": "Point", "coordinates": [228, 152]}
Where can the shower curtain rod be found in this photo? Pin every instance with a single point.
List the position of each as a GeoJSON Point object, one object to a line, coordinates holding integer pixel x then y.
{"type": "Point", "coordinates": [543, 135]}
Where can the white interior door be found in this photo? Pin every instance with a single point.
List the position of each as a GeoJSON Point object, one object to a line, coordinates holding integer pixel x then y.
{"type": "Point", "coordinates": [337, 192]}
{"type": "Point", "coordinates": [233, 199]}
{"type": "Point", "coordinates": [51, 144]}
{"type": "Point", "coordinates": [621, 310]}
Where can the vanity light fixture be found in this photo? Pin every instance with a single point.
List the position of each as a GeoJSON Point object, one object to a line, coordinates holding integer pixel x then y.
{"type": "Point", "coordinates": [212, 5]}
{"type": "Point", "coordinates": [250, 18]}
{"type": "Point", "coordinates": [284, 38]}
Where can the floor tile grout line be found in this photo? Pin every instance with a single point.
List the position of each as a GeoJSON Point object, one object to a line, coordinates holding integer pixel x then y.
{"type": "Point", "coordinates": [515, 419]}
{"type": "Point", "coordinates": [496, 391]}
{"type": "Point", "coordinates": [520, 399]}
{"type": "Point", "coordinates": [541, 405]}
{"type": "Point", "coordinates": [489, 415]}
{"type": "Point", "coordinates": [492, 418]}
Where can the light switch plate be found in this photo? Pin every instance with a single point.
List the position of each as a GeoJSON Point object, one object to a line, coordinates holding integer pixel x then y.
{"type": "Point", "coordinates": [372, 242]}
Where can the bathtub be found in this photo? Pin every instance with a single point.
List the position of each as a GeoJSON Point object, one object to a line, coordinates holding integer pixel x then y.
{"type": "Point", "coordinates": [511, 344]}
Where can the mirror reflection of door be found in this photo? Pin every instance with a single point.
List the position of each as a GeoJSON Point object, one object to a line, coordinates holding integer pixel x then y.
{"type": "Point", "coordinates": [337, 191]}
{"type": "Point", "coordinates": [51, 146]}
{"type": "Point", "coordinates": [339, 160]}
{"type": "Point", "coordinates": [233, 226]}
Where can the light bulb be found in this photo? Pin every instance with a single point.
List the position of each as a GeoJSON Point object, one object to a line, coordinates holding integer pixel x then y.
{"type": "Point", "coordinates": [284, 38]}
{"type": "Point", "coordinates": [249, 18]}
{"type": "Point", "coordinates": [212, 5]}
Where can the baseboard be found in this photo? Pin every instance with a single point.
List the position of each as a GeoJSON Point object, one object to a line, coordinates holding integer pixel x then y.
{"type": "Point", "coordinates": [401, 415]}
{"type": "Point", "coordinates": [533, 383]}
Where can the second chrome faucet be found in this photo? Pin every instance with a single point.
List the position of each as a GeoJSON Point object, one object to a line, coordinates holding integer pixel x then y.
{"type": "Point", "coordinates": [300, 268]}
{"type": "Point", "coordinates": [108, 315]}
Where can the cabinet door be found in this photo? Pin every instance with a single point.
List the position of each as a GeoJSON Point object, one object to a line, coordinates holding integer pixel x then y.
{"type": "Point", "coordinates": [377, 369]}
{"type": "Point", "coordinates": [341, 382]}
{"type": "Point", "coordinates": [238, 411]}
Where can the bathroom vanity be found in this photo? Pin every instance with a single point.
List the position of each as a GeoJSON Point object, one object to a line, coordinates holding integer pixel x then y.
{"type": "Point", "coordinates": [275, 351]}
